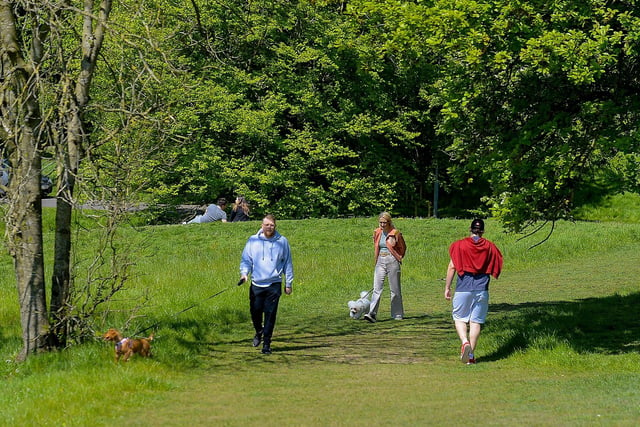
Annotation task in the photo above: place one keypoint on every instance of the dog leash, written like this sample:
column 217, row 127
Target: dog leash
column 367, row 294
column 192, row 306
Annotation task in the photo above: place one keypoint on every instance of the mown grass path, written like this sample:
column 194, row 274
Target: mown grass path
column 561, row 345
column 561, row 348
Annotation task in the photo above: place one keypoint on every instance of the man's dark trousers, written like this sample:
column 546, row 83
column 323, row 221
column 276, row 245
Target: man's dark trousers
column 264, row 303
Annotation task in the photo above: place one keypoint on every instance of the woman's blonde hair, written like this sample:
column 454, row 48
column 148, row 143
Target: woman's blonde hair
column 386, row 216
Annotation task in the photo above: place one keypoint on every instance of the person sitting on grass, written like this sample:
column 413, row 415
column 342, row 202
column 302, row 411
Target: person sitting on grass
column 240, row 210
column 213, row 213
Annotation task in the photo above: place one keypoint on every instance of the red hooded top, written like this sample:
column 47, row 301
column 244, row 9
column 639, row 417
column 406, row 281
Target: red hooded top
column 476, row 257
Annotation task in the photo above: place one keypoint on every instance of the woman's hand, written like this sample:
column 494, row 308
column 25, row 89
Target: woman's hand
column 391, row 240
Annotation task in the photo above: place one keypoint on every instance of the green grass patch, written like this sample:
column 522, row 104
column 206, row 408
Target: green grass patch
column 617, row 208
column 560, row 346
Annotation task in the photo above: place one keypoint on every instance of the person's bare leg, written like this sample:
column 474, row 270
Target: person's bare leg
column 461, row 328
column 474, row 334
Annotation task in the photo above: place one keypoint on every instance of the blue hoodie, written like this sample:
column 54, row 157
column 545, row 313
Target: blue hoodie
column 267, row 259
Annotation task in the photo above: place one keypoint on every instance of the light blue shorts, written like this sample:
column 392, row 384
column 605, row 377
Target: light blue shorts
column 471, row 306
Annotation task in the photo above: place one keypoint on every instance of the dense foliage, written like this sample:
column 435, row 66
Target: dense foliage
column 519, row 109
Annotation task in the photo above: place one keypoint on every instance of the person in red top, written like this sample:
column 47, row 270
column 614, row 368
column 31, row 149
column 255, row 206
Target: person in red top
column 474, row 260
column 389, row 248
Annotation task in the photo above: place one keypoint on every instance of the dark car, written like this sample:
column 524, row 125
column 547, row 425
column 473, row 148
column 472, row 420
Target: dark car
column 46, row 184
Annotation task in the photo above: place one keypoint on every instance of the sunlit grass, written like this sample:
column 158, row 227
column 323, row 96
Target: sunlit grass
column 618, row 208
column 562, row 322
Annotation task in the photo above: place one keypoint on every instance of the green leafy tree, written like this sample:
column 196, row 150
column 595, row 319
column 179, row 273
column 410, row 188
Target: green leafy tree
column 324, row 107
column 289, row 106
column 49, row 53
column 45, row 82
column 538, row 98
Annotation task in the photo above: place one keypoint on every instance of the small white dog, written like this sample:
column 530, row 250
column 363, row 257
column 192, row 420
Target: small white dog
column 360, row 307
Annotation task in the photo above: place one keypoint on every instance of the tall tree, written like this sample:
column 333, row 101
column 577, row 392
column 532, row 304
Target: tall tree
column 289, row 106
column 327, row 107
column 71, row 140
column 537, row 98
column 21, row 131
column 40, row 75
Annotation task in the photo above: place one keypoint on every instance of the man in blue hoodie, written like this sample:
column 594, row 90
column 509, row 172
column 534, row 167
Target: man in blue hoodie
column 267, row 258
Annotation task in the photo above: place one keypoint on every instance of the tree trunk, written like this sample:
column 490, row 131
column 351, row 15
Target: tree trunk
column 24, row 225
column 61, row 279
column 20, row 116
column 69, row 155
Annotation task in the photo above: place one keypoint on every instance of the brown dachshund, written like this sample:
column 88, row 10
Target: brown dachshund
column 126, row 347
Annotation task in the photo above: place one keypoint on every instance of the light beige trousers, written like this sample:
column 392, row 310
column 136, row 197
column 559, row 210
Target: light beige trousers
column 389, row 267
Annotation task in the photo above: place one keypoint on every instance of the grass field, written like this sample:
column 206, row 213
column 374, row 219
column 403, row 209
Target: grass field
column 561, row 345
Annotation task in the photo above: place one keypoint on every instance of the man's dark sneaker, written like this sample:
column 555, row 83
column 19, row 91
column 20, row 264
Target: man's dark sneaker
column 266, row 350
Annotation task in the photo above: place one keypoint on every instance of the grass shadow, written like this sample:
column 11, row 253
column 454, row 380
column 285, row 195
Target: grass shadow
column 343, row 340
column 605, row 325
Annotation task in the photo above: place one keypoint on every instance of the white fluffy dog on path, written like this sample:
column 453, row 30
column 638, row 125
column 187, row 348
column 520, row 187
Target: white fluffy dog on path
column 360, row 307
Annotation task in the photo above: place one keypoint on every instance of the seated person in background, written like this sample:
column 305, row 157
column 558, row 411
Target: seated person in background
column 240, row 210
column 213, row 213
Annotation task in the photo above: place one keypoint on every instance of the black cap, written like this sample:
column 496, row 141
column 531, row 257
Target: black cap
column 477, row 225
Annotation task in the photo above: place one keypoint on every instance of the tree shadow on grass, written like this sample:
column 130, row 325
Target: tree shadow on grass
column 605, row 325
column 342, row 340
column 319, row 338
